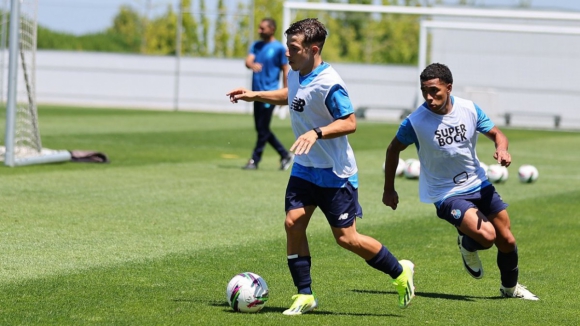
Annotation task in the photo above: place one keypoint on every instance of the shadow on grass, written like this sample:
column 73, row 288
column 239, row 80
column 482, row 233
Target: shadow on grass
column 268, row 169
column 434, row 295
column 231, row 167
column 270, row 309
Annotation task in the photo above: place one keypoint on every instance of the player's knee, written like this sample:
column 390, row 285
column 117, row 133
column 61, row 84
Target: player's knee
column 506, row 244
column 292, row 226
column 488, row 240
column 347, row 242
column 289, row 224
column 344, row 242
column 487, row 244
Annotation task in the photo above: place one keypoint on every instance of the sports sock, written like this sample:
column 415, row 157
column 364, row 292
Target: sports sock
column 508, row 267
column 470, row 244
column 386, row 263
column 300, row 271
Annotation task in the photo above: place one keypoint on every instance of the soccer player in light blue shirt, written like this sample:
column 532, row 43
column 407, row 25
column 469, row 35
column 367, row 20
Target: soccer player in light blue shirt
column 324, row 174
column 444, row 130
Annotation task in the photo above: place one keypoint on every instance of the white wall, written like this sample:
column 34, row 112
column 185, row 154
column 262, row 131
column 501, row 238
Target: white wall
column 137, row 81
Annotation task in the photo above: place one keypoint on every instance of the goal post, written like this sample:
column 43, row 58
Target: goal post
column 22, row 143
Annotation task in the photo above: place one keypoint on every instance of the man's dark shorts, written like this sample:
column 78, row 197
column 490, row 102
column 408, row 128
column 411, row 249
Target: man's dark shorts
column 486, row 200
column 339, row 205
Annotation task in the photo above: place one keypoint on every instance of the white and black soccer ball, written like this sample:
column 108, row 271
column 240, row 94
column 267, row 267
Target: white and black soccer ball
column 528, row 173
column 496, row 173
column 400, row 167
column 247, row 292
column 412, row 168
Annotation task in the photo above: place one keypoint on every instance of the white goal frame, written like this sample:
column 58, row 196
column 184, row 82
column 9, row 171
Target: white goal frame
column 427, row 25
column 22, row 145
column 290, row 6
column 520, row 21
column 427, row 12
column 489, row 27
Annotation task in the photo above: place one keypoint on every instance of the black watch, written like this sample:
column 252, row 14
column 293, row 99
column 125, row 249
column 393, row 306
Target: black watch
column 318, row 132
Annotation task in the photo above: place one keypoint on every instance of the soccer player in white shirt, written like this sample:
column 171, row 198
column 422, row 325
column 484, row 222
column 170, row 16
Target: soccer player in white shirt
column 324, row 173
column 444, row 130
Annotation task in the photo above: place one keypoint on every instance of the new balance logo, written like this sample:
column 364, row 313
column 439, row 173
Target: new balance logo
column 298, row 104
column 343, row 216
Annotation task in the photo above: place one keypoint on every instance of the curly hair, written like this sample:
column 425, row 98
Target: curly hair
column 313, row 30
column 437, row 70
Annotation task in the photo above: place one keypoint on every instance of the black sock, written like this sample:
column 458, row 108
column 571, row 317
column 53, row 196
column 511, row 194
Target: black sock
column 508, row 268
column 386, row 263
column 300, row 271
column 470, row 244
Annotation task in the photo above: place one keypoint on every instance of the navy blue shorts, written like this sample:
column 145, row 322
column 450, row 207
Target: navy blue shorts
column 339, row 205
column 487, row 201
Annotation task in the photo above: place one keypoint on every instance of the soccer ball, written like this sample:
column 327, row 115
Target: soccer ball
column 412, row 168
column 528, row 173
column 497, row 173
column 400, row 167
column 484, row 167
column 247, row 292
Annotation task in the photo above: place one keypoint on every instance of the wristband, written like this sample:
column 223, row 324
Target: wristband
column 318, row 132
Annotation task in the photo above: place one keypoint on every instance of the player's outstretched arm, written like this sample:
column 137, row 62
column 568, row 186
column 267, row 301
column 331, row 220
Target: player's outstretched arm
column 276, row 97
column 501, row 146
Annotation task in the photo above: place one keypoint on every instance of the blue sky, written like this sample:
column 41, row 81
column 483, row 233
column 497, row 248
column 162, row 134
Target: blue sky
column 86, row 16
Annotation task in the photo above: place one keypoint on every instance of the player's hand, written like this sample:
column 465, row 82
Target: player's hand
column 241, row 94
column 391, row 199
column 303, row 144
column 256, row 67
column 503, row 157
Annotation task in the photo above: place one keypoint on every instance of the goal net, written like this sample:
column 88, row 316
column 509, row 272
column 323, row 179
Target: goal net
column 22, row 143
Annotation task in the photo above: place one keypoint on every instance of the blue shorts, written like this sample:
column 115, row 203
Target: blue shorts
column 486, row 200
column 339, row 205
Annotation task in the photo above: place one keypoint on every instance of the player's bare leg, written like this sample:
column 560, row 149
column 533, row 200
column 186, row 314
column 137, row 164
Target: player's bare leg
column 296, row 222
column 478, row 233
column 505, row 240
column 362, row 245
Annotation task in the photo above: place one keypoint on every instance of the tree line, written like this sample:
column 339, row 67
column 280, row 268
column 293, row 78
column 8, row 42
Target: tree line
column 228, row 32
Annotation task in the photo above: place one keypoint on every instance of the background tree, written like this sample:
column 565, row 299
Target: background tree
column 397, row 37
column 161, row 33
column 242, row 37
column 191, row 42
column 371, row 37
column 272, row 9
column 204, row 39
column 127, row 24
column 222, row 36
column 354, row 37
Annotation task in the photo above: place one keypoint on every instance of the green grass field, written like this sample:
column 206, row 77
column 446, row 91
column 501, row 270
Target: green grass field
column 154, row 237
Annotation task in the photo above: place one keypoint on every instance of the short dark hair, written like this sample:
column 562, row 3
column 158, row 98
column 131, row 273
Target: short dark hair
column 313, row 30
column 437, row 70
column 270, row 22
